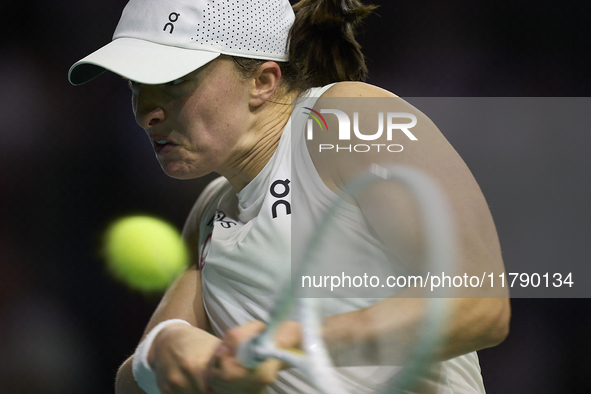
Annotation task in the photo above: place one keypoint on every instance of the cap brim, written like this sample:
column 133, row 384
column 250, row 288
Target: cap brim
column 141, row 61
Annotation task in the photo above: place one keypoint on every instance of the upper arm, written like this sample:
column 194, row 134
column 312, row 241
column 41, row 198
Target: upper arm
column 432, row 154
column 183, row 299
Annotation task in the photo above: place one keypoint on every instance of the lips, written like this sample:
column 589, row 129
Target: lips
column 163, row 146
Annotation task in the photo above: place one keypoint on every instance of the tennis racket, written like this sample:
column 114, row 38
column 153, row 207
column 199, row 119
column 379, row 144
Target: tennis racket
column 314, row 361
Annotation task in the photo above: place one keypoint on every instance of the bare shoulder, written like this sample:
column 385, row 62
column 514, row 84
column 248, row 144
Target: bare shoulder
column 368, row 99
column 356, row 89
column 354, row 111
column 367, row 125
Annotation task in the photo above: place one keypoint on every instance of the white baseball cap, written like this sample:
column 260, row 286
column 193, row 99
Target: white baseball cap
column 158, row 41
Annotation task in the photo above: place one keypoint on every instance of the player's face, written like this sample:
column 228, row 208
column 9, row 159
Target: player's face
column 197, row 124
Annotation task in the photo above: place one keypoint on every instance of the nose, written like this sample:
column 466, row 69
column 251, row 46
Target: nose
column 146, row 107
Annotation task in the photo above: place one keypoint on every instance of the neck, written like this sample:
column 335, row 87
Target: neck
column 260, row 143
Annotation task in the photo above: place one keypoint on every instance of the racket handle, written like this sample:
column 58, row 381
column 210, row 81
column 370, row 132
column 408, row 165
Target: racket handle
column 253, row 352
column 249, row 353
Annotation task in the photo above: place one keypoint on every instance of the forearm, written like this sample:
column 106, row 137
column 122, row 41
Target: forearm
column 176, row 350
column 125, row 382
column 474, row 324
column 390, row 329
column 181, row 301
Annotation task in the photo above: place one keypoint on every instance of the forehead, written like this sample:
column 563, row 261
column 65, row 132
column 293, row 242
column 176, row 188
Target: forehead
column 215, row 80
column 221, row 67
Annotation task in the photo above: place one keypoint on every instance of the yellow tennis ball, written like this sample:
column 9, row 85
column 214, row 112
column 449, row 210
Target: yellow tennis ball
column 144, row 252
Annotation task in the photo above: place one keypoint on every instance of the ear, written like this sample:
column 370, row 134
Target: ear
column 265, row 83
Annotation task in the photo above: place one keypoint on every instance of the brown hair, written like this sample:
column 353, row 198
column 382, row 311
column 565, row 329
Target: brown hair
column 322, row 45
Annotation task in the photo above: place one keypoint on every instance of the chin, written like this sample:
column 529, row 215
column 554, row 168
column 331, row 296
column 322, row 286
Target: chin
column 180, row 171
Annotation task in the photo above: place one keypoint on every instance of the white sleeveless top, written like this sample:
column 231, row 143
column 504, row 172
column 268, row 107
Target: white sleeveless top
column 245, row 258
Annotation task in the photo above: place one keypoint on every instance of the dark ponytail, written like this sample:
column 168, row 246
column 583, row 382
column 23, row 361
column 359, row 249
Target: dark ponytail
column 322, row 46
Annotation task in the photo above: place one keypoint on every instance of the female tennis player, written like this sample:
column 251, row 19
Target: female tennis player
column 212, row 84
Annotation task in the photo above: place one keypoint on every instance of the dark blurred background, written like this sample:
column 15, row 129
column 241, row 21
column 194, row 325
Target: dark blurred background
column 73, row 159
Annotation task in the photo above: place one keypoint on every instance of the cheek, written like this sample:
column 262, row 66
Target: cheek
column 217, row 116
column 217, row 121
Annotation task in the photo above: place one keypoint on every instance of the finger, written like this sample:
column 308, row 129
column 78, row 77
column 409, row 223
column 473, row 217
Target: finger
column 221, row 350
column 180, row 383
column 237, row 335
column 226, row 367
column 214, row 366
column 266, row 373
column 289, row 335
column 184, row 378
